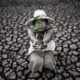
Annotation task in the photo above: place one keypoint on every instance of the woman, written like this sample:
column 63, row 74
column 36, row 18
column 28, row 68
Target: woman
column 41, row 43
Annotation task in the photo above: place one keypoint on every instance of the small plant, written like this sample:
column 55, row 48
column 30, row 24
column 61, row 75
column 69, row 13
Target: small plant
column 38, row 24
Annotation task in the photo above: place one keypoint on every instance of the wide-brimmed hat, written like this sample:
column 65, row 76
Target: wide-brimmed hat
column 39, row 14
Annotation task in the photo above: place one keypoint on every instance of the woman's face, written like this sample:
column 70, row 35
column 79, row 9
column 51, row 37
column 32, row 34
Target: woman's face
column 40, row 24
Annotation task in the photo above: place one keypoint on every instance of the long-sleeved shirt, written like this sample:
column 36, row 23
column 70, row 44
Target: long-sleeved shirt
column 44, row 36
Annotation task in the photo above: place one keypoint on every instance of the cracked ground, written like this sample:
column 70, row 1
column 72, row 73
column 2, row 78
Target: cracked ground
column 14, row 42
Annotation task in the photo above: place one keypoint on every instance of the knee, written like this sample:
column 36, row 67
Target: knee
column 36, row 58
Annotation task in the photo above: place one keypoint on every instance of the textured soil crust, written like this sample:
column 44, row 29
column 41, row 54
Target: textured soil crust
column 14, row 42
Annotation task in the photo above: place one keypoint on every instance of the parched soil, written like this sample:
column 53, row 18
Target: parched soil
column 14, row 42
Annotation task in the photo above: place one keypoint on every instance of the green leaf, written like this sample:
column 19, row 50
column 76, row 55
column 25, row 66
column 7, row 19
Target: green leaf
column 34, row 28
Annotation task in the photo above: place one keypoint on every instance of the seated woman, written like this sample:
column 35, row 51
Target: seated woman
column 41, row 43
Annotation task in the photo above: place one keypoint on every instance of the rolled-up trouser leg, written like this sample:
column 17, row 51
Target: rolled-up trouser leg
column 36, row 62
column 49, row 60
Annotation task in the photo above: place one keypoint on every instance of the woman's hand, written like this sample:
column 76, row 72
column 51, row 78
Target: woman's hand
column 39, row 45
column 39, row 42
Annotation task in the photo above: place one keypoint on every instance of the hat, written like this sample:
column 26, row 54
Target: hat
column 39, row 14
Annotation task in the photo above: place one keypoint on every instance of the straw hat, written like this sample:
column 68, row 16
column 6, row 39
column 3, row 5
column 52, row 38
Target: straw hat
column 39, row 14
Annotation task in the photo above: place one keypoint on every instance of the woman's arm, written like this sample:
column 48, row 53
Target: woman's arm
column 32, row 35
column 48, row 35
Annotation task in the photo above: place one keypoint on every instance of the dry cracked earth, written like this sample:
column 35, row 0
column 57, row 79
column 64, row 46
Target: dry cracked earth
column 14, row 42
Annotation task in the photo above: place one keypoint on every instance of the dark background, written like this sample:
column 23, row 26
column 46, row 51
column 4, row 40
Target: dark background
column 14, row 40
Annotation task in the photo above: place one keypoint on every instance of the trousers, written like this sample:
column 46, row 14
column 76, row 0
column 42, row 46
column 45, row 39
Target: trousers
column 45, row 58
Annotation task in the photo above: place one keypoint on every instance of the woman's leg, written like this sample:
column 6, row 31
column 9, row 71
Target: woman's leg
column 49, row 60
column 36, row 62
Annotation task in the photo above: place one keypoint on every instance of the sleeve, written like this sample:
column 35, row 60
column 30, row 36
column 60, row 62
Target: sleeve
column 31, row 35
column 48, row 35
